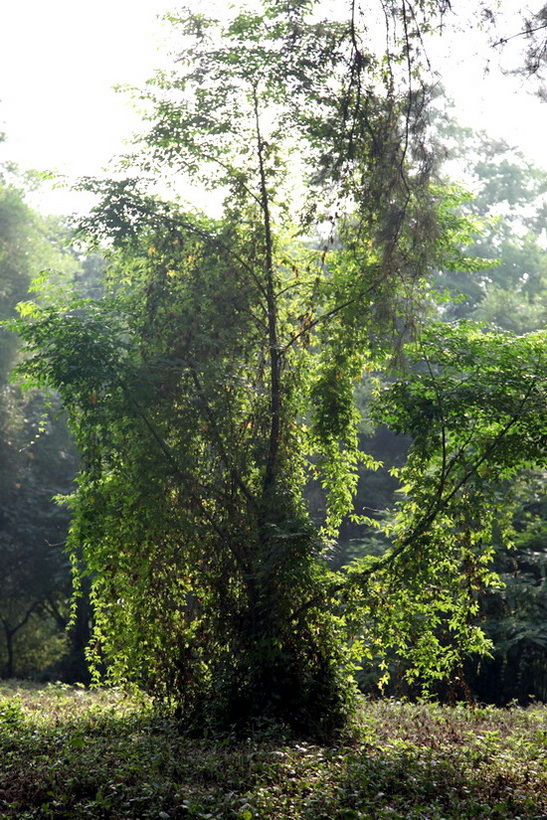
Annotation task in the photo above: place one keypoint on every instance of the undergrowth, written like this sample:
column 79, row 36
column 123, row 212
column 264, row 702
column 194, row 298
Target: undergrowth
column 70, row 754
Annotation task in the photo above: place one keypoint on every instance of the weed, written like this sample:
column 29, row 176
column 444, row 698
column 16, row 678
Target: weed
column 70, row 754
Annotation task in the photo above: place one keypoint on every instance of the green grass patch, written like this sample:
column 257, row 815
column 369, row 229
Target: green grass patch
column 69, row 754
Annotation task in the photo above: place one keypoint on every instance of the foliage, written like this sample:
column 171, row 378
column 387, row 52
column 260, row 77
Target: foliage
column 35, row 573
column 474, row 405
column 36, row 458
column 510, row 202
column 67, row 753
column 510, row 195
column 515, row 614
column 226, row 352
column 509, row 208
column 15, row 236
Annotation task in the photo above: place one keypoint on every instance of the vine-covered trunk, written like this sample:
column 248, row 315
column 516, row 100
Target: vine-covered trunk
column 287, row 666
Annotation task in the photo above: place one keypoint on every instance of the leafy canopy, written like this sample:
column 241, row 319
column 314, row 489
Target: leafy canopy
column 219, row 371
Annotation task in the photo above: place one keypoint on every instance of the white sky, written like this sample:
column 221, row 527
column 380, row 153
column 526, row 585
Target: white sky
column 59, row 61
column 60, row 58
column 477, row 77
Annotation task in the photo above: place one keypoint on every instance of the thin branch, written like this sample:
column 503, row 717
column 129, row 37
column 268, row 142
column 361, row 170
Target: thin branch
column 503, row 40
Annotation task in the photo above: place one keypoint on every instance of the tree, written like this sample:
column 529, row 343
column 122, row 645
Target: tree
column 475, row 410
column 514, row 614
column 509, row 206
column 220, row 366
column 34, row 573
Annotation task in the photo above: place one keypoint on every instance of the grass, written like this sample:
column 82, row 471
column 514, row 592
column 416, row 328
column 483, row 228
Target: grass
column 69, row 754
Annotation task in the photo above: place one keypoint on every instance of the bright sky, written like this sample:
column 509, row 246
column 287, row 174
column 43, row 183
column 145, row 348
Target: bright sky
column 59, row 61
column 477, row 76
column 60, row 58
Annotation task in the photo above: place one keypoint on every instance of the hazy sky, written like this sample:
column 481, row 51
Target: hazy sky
column 59, row 60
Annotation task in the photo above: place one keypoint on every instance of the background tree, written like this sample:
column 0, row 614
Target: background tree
column 510, row 192
column 509, row 203
column 508, row 210
column 34, row 574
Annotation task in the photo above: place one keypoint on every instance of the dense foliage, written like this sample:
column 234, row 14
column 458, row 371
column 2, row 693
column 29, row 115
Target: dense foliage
column 507, row 294
column 37, row 459
column 220, row 369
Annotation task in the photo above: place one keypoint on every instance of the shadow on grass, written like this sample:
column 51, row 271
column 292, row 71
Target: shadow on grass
column 68, row 754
